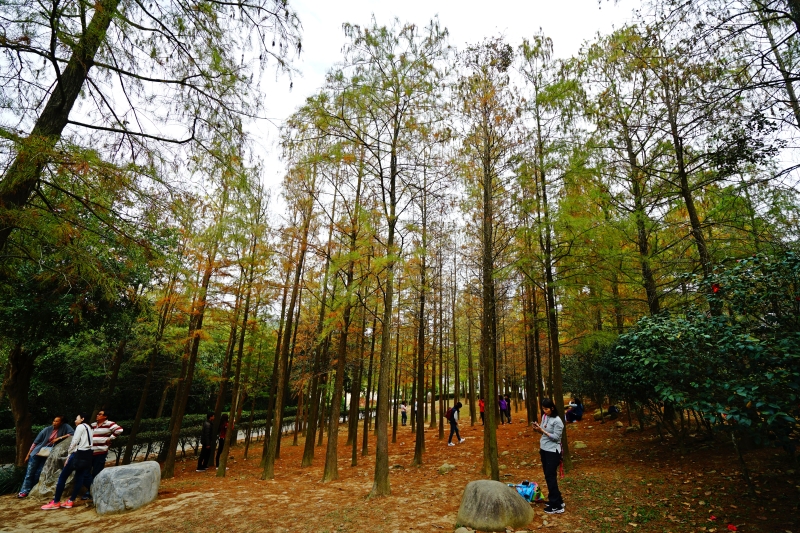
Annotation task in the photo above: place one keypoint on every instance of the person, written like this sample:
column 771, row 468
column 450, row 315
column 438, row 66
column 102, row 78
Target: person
column 453, row 419
column 205, row 443
column 223, row 431
column 104, row 431
column 575, row 411
column 503, row 406
column 79, row 460
column 551, row 429
column 508, row 408
column 403, row 413
column 47, row 438
column 482, row 407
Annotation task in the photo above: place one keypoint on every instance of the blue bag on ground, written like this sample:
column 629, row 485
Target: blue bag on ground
column 529, row 490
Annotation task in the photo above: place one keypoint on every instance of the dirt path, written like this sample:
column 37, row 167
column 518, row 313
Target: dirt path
column 619, row 482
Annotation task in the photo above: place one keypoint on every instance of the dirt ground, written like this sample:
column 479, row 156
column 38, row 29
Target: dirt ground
column 619, row 482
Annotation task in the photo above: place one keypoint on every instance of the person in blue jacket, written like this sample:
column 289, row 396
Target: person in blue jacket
column 47, row 438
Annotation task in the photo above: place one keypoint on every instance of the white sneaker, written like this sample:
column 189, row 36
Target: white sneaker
column 450, row 444
column 462, row 441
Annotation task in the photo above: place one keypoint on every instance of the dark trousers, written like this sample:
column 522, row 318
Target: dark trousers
column 220, row 446
column 481, row 417
column 508, row 414
column 550, row 462
column 77, row 481
column 453, row 429
column 404, row 417
column 98, row 464
column 205, row 455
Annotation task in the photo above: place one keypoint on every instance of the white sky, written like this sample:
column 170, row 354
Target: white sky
column 568, row 22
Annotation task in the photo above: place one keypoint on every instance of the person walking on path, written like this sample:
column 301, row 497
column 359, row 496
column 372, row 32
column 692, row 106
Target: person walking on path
column 79, row 460
column 452, row 417
column 508, row 407
column 503, row 406
column 223, row 432
column 205, row 443
column 403, row 412
column 40, row 450
column 103, row 431
column 551, row 429
column 482, row 407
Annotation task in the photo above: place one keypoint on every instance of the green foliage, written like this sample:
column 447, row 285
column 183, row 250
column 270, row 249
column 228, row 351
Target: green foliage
column 740, row 369
column 582, row 370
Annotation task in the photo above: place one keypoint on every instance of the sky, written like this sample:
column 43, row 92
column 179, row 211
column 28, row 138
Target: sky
column 569, row 23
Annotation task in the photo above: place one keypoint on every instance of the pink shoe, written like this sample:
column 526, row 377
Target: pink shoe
column 52, row 505
column 68, row 504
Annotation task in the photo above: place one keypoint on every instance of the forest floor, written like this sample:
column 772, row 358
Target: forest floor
column 619, row 482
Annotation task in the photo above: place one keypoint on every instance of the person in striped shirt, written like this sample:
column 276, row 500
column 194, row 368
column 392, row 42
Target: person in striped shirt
column 104, row 431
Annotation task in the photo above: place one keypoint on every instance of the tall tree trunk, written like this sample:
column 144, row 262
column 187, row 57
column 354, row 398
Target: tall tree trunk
column 650, row 287
column 17, row 387
column 282, row 378
column 190, row 356
column 236, row 400
column 488, row 322
column 368, row 403
column 320, row 352
column 470, row 373
column 552, row 319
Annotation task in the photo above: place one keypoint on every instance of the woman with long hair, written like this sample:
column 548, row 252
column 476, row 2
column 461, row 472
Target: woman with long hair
column 551, row 429
column 79, row 460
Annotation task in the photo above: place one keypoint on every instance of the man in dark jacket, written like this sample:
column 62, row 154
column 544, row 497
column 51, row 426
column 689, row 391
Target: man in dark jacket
column 46, row 438
column 205, row 443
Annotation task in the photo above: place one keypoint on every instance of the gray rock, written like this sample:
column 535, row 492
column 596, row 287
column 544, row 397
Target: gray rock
column 489, row 505
column 504, row 453
column 463, row 530
column 125, row 488
column 579, row 445
column 619, row 424
column 45, row 489
column 445, row 468
column 631, row 429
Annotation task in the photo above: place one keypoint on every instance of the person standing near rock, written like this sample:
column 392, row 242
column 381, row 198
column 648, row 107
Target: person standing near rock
column 205, row 443
column 37, row 455
column 79, row 461
column 104, row 431
column 551, row 429
column 452, row 417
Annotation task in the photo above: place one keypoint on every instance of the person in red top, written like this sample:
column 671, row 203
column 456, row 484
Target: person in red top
column 104, row 431
column 482, row 408
column 223, row 431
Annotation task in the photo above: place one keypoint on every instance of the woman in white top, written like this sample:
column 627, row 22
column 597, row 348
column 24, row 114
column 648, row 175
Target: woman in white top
column 79, row 461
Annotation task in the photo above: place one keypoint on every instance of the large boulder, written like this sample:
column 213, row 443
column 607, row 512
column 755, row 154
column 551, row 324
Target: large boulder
column 124, row 488
column 489, row 505
column 46, row 488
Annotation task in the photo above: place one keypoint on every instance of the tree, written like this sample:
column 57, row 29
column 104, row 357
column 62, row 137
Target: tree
column 390, row 74
column 168, row 57
column 490, row 111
